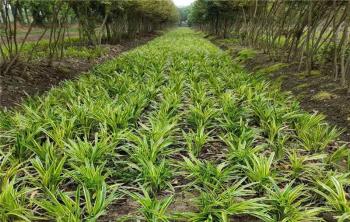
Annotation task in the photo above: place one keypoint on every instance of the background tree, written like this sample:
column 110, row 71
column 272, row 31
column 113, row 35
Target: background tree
column 99, row 21
column 309, row 32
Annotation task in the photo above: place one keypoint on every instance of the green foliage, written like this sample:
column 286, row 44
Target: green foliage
column 336, row 197
column 245, row 54
column 205, row 173
column 195, row 141
column 323, row 95
column 84, row 150
column 303, row 166
column 84, row 52
column 92, row 177
column 259, row 169
column 153, row 209
column 200, row 115
column 153, row 176
column 98, row 201
column 272, row 69
column 313, row 133
column 50, row 172
column 133, row 17
column 184, row 12
column 241, row 149
column 287, row 204
column 174, row 116
column 214, row 205
column 13, row 203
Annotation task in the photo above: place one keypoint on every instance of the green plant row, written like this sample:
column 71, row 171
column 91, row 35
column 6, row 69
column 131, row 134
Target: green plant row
column 171, row 131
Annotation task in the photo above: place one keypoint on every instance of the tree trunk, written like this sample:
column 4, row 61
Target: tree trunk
column 217, row 24
column 108, row 32
column 334, row 39
column 308, row 39
column 26, row 15
column 2, row 13
column 345, row 44
column 225, row 28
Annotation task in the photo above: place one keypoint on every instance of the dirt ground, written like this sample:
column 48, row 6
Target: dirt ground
column 37, row 77
column 317, row 93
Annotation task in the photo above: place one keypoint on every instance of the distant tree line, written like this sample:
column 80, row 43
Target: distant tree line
column 311, row 32
column 99, row 21
column 184, row 11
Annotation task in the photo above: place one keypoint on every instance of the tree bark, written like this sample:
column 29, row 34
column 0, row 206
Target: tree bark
column 345, row 44
column 334, row 40
column 308, row 39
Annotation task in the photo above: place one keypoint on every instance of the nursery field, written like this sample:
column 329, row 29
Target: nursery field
column 174, row 130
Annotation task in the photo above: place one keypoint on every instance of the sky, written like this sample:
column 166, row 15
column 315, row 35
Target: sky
column 181, row 3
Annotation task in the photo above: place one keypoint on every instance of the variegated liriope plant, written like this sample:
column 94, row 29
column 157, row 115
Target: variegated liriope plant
column 172, row 130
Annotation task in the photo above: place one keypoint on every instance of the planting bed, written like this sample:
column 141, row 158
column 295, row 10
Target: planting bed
column 170, row 131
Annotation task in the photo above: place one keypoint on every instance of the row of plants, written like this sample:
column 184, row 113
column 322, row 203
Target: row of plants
column 59, row 151
column 180, row 131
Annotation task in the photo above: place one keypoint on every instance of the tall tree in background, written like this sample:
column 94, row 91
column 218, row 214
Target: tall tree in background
column 289, row 30
column 99, row 21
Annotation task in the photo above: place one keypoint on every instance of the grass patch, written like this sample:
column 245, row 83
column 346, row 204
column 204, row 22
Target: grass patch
column 314, row 73
column 273, row 68
column 85, row 52
column 323, row 95
column 229, row 41
column 71, row 49
column 245, row 54
column 302, row 86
